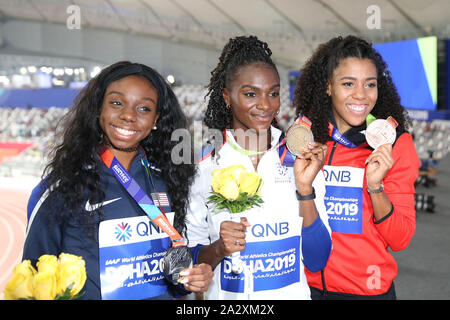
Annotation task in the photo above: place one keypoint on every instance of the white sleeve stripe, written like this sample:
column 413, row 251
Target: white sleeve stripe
column 36, row 209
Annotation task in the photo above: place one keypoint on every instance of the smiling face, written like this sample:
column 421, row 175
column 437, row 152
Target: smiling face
column 354, row 92
column 254, row 97
column 128, row 113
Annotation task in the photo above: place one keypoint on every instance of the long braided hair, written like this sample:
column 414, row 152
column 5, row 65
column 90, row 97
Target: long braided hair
column 238, row 52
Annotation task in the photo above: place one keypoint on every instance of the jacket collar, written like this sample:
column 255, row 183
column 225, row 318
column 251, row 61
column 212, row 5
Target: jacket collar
column 357, row 135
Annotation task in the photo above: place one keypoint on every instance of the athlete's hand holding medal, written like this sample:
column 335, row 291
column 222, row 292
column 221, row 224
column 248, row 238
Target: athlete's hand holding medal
column 380, row 135
column 178, row 268
column 233, row 193
column 195, row 278
column 310, row 154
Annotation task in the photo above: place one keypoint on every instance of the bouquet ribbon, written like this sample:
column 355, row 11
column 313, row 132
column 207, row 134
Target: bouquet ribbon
column 139, row 195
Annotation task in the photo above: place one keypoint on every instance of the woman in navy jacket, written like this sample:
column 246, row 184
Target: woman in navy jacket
column 81, row 208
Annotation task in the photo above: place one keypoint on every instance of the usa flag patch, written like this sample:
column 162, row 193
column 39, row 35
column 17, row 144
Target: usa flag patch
column 160, row 199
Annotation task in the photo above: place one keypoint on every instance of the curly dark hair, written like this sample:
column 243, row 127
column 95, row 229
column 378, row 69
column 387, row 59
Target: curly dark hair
column 238, row 52
column 310, row 96
column 75, row 165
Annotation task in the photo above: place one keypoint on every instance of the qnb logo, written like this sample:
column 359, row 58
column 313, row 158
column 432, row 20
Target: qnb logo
column 337, row 176
column 123, row 232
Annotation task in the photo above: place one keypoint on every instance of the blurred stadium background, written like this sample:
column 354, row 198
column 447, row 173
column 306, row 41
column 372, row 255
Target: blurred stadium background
column 49, row 49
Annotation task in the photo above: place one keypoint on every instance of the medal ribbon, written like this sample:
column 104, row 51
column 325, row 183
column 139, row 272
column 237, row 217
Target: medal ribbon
column 392, row 122
column 339, row 137
column 303, row 121
column 139, row 195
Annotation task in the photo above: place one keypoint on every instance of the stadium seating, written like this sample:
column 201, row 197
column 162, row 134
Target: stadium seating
column 36, row 125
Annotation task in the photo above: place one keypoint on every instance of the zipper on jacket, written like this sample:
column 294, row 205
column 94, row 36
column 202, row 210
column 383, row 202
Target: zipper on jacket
column 324, row 287
column 332, row 153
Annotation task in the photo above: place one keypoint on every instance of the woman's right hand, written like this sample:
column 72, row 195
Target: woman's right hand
column 307, row 165
column 232, row 237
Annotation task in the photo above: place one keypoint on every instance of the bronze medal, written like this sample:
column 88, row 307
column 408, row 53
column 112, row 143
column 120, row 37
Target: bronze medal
column 381, row 132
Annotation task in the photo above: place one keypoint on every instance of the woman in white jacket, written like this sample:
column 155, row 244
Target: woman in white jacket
column 290, row 230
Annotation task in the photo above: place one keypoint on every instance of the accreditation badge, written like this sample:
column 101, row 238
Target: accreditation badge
column 131, row 253
column 271, row 256
column 344, row 198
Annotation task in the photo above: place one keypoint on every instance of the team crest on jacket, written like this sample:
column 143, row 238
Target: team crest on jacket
column 282, row 174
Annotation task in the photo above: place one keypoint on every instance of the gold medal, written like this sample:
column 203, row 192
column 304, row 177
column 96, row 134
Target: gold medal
column 381, row 132
column 298, row 136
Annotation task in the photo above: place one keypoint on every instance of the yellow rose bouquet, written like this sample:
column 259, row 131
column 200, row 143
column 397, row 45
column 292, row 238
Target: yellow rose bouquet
column 54, row 279
column 235, row 189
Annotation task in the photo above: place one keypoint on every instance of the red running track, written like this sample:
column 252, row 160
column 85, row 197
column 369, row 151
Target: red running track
column 13, row 219
column 11, row 149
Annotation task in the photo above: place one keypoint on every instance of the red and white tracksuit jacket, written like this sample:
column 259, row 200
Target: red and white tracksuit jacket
column 360, row 262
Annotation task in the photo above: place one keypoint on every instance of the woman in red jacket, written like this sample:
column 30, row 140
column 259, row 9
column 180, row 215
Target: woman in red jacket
column 370, row 193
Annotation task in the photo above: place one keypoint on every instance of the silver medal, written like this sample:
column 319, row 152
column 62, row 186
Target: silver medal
column 176, row 260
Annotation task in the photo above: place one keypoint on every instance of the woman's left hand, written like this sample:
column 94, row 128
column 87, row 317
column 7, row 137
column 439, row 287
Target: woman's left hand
column 308, row 164
column 198, row 278
column 378, row 163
